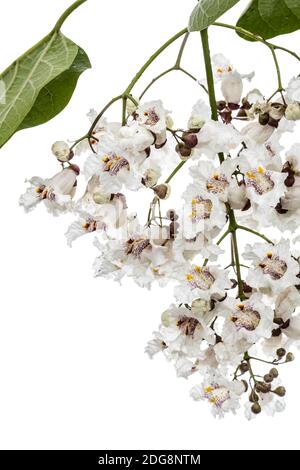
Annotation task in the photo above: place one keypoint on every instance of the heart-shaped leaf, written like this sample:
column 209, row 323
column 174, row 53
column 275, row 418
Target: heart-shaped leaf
column 38, row 85
column 55, row 96
column 270, row 18
column 208, row 11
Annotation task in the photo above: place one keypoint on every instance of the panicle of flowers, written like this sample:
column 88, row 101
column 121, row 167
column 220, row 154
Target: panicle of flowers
column 232, row 324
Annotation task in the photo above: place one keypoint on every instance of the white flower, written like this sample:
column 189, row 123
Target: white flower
column 198, row 282
column 237, row 195
column 57, row 192
column 183, row 331
column 293, row 90
column 201, row 113
column 274, row 268
column 222, row 394
column 214, row 179
column 153, row 116
column 249, row 320
column 216, row 137
column 263, row 186
column 255, row 133
column 155, row 345
column 292, row 112
column 135, row 138
column 114, row 168
column 203, row 211
column 231, row 80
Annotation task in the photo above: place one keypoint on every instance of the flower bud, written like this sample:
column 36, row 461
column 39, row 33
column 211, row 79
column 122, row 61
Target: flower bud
column 171, row 215
column 244, row 367
column 221, row 105
column 264, row 119
column 169, row 122
column 290, row 357
column 268, row 378
column 101, row 198
column 190, row 140
column 131, row 107
column 277, row 111
column 262, row 387
column 256, row 408
column 62, row 151
column 162, row 190
column 74, row 168
column 196, row 122
column 281, row 352
column 292, row 112
column 150, row 177
column 274, row 373
column 183, row 151
column 280, row 391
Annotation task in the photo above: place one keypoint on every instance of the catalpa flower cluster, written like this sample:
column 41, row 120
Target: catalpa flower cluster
column 231, row 323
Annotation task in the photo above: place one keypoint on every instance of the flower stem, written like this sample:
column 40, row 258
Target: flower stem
column 256, row 38
column 209, row 75
column 171, row 176
column 67, row 13
column 247, row 229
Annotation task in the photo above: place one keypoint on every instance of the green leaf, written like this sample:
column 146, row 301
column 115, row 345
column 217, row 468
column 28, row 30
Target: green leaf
column 55, row 96
column 25, row 83
column 270, row 18
column 208, row 11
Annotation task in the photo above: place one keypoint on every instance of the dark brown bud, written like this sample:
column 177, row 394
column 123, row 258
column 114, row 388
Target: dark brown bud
column 226, row 117
column 162, row 190
column 268, row 378
column 278, row 321
column 244, row 367
column 264, row 119
column 221, row 105
column 183, row 151
column 276, row 332
column 281, row 352
column 262, row 387
column 190, row 140
column 274, row 373
column 246, row 104
column 280, row 391
column 171, row 215
column 256, row 408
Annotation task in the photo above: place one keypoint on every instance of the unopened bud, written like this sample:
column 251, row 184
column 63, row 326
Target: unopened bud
column 101, row 198
column 162, row 190
column 131, row 107
column 62, row 151
column 280, row 391
column 262, row 387
column 264, row 119
column 290, row 357
column 256, row 408
column 274, row 373
column 221, row 105
column 190, row 140
column 281, row 352
column 169, row 122
column 244, row 367
column 183, row 151
column 150, row 178
column 268, row 378
column 171, row 215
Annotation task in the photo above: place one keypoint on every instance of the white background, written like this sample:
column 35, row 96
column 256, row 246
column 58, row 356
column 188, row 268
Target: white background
column 73, row 374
